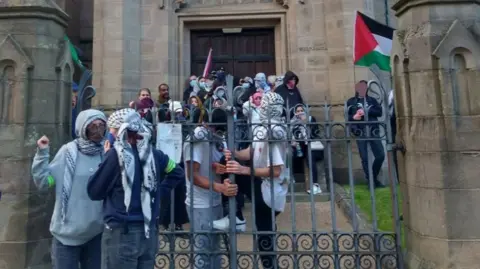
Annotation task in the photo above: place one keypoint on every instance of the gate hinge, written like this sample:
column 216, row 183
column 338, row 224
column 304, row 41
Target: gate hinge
column 396, row 147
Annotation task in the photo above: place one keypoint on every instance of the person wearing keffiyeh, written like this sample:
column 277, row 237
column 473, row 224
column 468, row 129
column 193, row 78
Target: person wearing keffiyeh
column 128, row 181
column 76, row 223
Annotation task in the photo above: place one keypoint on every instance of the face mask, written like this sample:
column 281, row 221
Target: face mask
column 291, row 84
column 193, row 83
column 246, row 85
column 262, row 84
column 202, row 85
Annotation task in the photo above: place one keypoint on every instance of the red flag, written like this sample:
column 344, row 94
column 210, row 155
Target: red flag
column 208, row 64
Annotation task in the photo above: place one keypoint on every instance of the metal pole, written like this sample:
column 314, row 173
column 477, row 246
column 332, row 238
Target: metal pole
column 232, row 205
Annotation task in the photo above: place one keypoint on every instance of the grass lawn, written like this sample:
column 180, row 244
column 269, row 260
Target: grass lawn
column 383, row 206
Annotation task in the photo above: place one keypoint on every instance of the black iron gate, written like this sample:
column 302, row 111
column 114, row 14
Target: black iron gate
column 311, row 232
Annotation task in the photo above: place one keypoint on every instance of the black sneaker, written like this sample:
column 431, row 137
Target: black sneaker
column 179, row 228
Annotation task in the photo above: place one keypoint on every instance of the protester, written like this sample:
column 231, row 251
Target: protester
column 261, row 82
column 251, row 108
column 202, row 204
column 271, row 82
column 163, row 103
column 76, row 223
column 269, row 158
column 304, row 128
column 128, row 181
column 357, row 107
column 290, row 92
column 190, row 83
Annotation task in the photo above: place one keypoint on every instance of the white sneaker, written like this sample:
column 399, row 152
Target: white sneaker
column 224, row 224
column 316, row 189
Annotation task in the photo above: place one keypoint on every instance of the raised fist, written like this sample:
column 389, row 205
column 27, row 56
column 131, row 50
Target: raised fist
column 43, row 142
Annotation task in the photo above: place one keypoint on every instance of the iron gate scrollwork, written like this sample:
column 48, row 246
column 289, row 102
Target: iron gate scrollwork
column 307, row 234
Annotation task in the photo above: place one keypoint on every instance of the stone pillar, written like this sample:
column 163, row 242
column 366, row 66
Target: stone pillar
column 435, row 62
column 35, row 99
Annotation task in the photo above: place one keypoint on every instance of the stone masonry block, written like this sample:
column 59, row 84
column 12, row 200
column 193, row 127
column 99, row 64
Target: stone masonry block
column 426, row 211
column 424, row 93
column 442, row 170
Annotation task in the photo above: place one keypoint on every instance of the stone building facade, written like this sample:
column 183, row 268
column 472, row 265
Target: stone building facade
column 144, row 43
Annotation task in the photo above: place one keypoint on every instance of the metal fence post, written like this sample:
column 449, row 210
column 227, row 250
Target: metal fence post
column 232, row 203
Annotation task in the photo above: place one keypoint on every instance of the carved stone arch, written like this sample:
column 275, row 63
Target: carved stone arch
column 10, row 49
column 458, row 39
column 14, row 67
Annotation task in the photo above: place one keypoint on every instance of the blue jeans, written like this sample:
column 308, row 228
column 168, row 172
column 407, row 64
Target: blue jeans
column 378, row 153
column 205, row 243
column 87, row 256
column 129, row 248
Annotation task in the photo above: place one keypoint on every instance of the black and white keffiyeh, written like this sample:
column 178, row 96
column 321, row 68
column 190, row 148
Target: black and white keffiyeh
column 129, row 120
column 83, row 145
column 271, row 112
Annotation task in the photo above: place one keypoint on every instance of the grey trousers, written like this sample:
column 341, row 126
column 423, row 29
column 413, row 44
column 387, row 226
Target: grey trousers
column 207, row 246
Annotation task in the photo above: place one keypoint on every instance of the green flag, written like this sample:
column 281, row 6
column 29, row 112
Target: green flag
column 74, row 54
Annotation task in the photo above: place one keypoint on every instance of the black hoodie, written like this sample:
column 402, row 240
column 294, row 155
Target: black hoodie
column 290, row 96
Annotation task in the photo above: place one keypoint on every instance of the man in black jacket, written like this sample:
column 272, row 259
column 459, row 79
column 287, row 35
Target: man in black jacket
column 358, row 105
column 289, row 92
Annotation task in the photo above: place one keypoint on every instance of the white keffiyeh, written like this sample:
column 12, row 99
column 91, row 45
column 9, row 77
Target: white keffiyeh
column 129, row 120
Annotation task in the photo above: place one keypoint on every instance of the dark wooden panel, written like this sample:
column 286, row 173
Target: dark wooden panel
column 243, row 54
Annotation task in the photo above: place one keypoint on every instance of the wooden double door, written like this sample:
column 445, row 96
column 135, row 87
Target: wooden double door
column 243, row 54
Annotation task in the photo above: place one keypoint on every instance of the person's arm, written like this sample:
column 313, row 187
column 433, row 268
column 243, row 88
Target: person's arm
column 174, row 174
column 192, row 167
column 352, row 108
column 243, row 155
column 375, row 109
column 265, row 172
column 41, row 167
column 100, row 183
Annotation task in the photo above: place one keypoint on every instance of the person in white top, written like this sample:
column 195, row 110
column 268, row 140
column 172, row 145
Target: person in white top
column 250, row 108
column 204, row 188
column 269, row 176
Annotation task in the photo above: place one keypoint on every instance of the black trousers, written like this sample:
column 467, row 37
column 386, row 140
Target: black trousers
column 264, row 221
column 180, row 215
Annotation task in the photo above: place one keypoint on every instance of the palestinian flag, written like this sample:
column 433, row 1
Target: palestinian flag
column 372, row 43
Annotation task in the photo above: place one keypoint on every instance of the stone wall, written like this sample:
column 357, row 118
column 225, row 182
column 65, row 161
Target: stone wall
column 35, row 97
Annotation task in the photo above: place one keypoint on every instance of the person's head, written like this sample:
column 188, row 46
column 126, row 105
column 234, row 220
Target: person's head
column 218, row 122
column 299, row 109
column 144, row 93
column 192, row 81
column 194, row 101
column 271, row 107
column 91, row 125
column 290, row 80
column 260, row 80
column 361, row 88
column 126, row 124
column 271, row 81
column 143, row 106
column 257, row 98
column 163, row 92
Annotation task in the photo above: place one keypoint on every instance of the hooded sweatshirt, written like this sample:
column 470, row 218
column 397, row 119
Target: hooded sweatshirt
column 81, row 220
column 292, row 97
column 123, row 188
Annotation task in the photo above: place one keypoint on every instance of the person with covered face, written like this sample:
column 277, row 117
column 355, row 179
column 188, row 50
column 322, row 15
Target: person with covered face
column 261, row 83
column 76, row 223
column 290, row 92
column 128, row 181
column 268, row 158
column 189, row 85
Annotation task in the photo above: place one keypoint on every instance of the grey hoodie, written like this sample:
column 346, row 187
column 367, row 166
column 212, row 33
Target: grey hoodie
column 84, row 216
